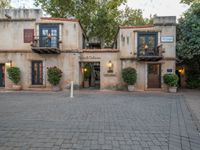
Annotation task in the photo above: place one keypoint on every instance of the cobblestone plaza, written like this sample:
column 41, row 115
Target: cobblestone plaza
column 96, row 121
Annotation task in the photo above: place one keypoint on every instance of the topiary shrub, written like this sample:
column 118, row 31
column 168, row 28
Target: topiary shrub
column 129, row 75
column 14, row 74
column 171, row 80
column 54, row 75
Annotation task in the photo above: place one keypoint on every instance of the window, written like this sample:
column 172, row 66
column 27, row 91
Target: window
column 147, row 42
column 28, row 35
column 49, row 35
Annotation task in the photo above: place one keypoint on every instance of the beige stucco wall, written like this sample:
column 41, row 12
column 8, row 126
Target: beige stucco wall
column 67, row 62
column 130, row 49
column 12, row 35
column 21, row 13
column 12, row 30
column 142, row 72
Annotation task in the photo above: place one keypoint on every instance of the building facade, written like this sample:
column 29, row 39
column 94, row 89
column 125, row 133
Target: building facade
column 34, row 43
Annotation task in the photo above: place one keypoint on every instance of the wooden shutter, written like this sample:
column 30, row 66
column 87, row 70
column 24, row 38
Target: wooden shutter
column 28, row 35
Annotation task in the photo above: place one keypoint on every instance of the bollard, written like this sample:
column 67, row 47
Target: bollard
column 72, row 90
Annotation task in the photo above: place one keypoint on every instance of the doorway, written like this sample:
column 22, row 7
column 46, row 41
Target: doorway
column 2, row 75
column 37, row 73
column 90, row 72
column 154, row 76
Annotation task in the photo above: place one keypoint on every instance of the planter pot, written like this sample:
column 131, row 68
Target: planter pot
column 131, row 88
column 172, row 89
column 16, row 87
column 55, row 88
column 86, row 84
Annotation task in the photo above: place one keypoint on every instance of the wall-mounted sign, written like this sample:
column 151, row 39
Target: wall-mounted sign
column 167, row 39
column 169, row 70
column 89, row 57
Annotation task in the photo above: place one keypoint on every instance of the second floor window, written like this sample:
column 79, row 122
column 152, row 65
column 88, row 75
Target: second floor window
column 147, row 42
column 49, row 35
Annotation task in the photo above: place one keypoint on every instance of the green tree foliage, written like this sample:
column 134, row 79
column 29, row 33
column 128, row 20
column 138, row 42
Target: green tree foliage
column 100, row 18
column 190, row 1
column 4, row 4
column 133, row 17
column 188, row 35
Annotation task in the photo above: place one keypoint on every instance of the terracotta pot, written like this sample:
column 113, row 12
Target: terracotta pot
column 131, row 88
column 172, row 89
column 16, row 87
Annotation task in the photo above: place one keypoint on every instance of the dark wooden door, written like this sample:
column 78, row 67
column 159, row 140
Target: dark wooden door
column 37, row 73
column 154, row 75
column 2, row 75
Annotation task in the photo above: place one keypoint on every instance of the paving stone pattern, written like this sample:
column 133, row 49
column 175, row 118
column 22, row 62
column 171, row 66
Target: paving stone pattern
column 96, row 121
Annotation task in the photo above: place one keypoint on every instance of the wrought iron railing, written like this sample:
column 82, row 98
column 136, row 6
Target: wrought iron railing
column 151, row 52
column 46, row 41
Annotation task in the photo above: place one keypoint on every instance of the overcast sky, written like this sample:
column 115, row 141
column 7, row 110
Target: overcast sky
column 149, row 7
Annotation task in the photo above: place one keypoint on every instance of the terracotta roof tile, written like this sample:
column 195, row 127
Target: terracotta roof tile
column 136, row 27
column 60, row 19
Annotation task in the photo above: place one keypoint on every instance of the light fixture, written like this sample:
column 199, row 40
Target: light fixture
column 181, row 71
column 9, row 64
column 146, row 46
column 85, row 69
column 110, row 67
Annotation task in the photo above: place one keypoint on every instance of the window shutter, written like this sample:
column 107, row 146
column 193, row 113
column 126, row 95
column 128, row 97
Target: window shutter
column 28, row 35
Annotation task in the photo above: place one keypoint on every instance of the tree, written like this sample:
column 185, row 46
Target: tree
column 4, row 4
column 100, row 18
column 133, row 17
column 188, row 35
column 190, row 1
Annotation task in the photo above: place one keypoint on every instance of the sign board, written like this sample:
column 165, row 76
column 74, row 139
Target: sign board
column 169, row 70
column 167, row 39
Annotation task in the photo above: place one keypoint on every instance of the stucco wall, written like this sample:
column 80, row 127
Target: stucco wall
column 12, row 30
column 21, row 13
column 67, row 62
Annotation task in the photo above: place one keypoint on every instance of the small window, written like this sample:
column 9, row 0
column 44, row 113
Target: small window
column 28, row 35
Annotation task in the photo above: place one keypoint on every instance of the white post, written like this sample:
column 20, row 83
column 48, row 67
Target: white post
column 72, row 90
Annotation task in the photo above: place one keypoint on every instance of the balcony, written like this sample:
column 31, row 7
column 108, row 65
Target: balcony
column 150, row 54
column 46, row 45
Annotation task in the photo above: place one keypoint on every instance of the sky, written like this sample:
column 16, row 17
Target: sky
column 149, row 7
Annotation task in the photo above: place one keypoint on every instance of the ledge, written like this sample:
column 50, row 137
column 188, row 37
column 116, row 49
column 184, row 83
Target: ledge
column 15, row 20
column 37, row 86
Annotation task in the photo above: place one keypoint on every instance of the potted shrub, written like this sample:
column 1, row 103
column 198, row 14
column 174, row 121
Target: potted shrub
column 87, row 73
column 172, row 81
column 54, row 76
column 14, row 76
column 129, row 76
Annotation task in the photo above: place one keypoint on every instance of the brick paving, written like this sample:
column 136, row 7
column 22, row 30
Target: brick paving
column 96, row 121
